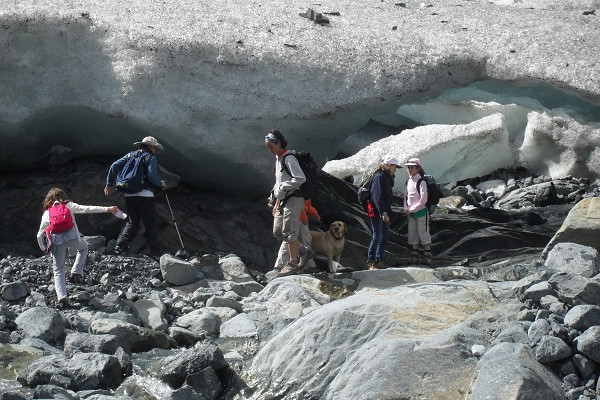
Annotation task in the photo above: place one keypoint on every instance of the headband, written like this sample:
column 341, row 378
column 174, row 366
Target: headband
column 272, row 138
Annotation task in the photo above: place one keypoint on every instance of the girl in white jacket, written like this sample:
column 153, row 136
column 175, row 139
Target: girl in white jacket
column 61, row 242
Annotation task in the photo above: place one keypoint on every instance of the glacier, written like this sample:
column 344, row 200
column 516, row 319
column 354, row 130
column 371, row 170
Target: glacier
column 210, row 78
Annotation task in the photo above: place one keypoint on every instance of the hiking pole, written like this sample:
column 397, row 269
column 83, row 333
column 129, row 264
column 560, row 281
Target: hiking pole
column 175, row 222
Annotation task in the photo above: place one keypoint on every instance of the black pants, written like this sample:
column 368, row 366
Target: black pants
column 141, row 209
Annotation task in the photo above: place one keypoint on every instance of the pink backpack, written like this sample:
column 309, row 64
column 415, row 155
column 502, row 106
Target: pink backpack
column 60, row 218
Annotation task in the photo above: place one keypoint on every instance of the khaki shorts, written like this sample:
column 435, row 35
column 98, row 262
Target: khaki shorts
column 286, row 225
column 418, row 230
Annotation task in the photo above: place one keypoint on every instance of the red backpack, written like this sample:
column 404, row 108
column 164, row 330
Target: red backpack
column 60, row 218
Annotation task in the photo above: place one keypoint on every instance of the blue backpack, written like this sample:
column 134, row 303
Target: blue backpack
column 132, row 177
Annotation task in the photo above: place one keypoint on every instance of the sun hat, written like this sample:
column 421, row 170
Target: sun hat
column 152, row 142
column 390, row 160
column 413, row 161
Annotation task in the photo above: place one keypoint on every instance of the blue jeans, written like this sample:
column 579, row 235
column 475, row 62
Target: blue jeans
column 379, row 237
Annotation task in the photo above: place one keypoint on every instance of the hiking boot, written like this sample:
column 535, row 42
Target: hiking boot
column 62, row 303
column 77, row 279
column 379, row 264
column 304, row 257
column 427, row 257
column 121, row 248
column 371, row 265
column 290, row 269
column 414, row 257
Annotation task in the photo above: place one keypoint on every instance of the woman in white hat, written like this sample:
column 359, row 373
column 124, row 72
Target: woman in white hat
column 380, row 208
column 415, row 198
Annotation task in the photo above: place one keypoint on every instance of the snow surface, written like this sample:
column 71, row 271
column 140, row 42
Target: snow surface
column 210, row 78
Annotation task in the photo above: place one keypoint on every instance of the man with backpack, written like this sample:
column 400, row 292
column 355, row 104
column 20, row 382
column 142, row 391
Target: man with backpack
column 136, row 175
column 288, row 201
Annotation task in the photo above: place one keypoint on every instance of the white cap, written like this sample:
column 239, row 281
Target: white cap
column 413, row 161
column 390, row 160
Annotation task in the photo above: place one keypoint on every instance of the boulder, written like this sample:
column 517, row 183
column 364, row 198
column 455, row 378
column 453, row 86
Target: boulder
column 130, row 337
column 41, row 322
column 234, row 269
column 588, row 343
column 14, row 290
column 151, row 314
column 582, row 317
column 574, row 258
column 582, row 226
column 87, row 343
column 575, row 289
column 177, row 271
column 509, row 371
column 175, row 369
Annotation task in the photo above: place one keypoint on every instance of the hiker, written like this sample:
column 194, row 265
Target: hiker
column 58, row 233
column 289, row 203
column 379, row 209
column 141, row 204
column 305, row 237
column 418, row 215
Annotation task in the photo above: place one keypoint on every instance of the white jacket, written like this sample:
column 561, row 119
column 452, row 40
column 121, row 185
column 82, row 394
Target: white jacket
column 74, row 208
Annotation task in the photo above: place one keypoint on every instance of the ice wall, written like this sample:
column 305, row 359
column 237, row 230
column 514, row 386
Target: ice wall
column 210, row 78
column 448, row 152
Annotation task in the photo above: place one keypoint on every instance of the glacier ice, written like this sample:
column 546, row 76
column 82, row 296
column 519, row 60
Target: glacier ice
column 448, row 152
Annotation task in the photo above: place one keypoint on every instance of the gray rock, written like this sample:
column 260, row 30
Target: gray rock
column 551, row 349
column 43, row 323
column 584, row 365
column 539, row 195
column 151, row 314
column 234, row 269
column 575, row 289
column 54, row 392
column 131, row 337
column 588, row 343
column 206, row 382
column 14, row 290
column 95, row 242
column 509, row 371
column 176, row 271
column 521, row 286
column 239, row 326
column 125, row 361
column 40, row 345
column 217, row 301
column 511, row 332
column 574, row 258
column 83, row 371
column 581, row 317
column 537, row 330
column 547, row 301
column 538, row 290
column 175, row 369
column 184, row 393
column 87, row 343
column 245, row 289
column 200, row 322
column 185, row 337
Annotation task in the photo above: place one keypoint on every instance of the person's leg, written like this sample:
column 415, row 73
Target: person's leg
column 132, row 226
column 283, row 256
column 81, row 247
column 305, row 240
column 290, row 231
column 376, row 236
column 380, row 249
column 425, row 237
column 59, row 257
column 147, row 208
column 413, row 239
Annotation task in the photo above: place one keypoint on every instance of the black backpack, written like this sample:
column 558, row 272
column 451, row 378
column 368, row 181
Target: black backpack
column 364, row 190
column 132, row 178
column 309, row 168
column 434, row 194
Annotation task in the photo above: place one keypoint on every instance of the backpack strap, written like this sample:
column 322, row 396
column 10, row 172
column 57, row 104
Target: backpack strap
column 421, row 179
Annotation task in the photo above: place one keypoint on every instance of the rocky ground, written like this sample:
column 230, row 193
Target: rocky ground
column 237, row 320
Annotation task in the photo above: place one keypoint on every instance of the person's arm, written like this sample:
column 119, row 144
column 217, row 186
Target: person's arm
column 81, row 209
column 296, row 174
column 113, row 172
column 152, row 174
column 42, row 230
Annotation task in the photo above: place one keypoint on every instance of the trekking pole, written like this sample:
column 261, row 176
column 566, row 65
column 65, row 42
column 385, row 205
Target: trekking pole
column 175, row 222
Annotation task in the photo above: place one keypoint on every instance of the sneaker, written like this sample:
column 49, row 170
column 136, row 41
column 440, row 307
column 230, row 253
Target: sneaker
column 290, row 269
column 304, row 257
column 62, row 303
column 414, row 257
column 428, row 257
column 76, row 279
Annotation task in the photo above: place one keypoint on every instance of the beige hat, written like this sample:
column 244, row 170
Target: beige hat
column 151, row 141
column 414, row 161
